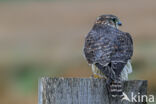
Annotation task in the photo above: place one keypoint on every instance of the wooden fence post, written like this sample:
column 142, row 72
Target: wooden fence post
column 86, row 91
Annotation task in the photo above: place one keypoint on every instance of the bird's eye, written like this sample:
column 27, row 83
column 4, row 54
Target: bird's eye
column 114, row 20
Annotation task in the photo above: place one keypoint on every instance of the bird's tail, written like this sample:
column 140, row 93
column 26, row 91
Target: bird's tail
column 116, row 89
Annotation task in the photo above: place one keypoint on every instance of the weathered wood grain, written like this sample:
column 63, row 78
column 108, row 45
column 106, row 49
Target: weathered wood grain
column 85, row 91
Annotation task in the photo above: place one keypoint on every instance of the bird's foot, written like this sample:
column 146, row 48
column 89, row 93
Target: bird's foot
column 97, row 76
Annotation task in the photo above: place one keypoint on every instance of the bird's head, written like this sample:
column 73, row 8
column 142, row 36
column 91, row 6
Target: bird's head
column 110, row 20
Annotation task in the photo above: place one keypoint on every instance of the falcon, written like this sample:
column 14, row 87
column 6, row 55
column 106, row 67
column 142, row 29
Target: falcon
column 109, row 50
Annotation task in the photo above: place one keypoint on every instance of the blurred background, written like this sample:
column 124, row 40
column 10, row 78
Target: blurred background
column 45, row 38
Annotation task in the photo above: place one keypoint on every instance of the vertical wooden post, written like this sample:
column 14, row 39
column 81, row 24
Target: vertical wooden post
column 85, row 91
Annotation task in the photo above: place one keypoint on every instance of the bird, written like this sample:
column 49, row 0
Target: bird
column 109, row 51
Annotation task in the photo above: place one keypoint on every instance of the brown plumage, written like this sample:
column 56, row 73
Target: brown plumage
column 107, row 48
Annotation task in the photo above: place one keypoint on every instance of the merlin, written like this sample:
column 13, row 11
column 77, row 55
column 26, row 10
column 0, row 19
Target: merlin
column 109, row 50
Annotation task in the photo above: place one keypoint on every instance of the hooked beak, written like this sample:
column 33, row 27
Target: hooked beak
column 119, row 23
